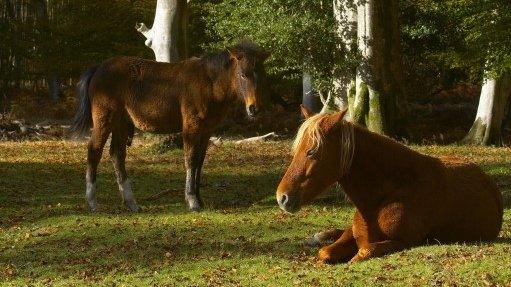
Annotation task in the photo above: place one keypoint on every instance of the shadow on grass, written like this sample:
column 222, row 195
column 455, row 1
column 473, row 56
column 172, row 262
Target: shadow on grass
column 33, row 190
column 107, row 248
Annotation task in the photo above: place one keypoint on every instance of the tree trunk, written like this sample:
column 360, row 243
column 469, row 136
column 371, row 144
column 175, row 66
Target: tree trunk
column 167, row 37
column 345, row 13
column 379, row 101
column 491, row 112
column 47, row 46
column 310, row 97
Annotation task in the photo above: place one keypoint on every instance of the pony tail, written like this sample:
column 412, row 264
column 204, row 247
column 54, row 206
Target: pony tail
column 83, row 117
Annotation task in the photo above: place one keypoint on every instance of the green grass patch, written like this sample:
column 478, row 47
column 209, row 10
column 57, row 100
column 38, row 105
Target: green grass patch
column 48, row 236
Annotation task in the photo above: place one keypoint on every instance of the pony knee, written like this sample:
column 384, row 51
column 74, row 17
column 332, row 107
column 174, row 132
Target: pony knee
column 326, row 255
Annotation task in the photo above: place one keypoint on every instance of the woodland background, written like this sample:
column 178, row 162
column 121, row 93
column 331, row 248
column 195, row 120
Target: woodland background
column 448, row 48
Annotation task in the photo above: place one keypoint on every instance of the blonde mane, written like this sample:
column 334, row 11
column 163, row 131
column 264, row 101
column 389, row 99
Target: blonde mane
column 311, row 130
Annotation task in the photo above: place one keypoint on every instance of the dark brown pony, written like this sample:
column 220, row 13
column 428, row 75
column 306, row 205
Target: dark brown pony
column 402, row 198
column 191, row 96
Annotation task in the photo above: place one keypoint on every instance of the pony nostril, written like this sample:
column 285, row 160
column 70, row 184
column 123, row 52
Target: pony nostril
column 252, row 109
column 283, row 199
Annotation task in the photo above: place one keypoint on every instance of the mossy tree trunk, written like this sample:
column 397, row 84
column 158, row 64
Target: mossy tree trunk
column 491, row 112
column 379, row 101
column 168, row 35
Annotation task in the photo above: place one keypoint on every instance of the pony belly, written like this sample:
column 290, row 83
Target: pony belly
column 160, row 122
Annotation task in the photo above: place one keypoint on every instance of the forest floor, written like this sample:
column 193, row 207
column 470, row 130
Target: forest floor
column 49, row 237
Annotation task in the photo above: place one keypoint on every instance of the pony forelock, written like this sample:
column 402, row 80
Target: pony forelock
column 312, row 131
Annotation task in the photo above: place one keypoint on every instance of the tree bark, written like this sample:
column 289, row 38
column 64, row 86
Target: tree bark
column 167, row 37
column 379, row 101
column 345, row 13
column 310, row 97
column 491, row 112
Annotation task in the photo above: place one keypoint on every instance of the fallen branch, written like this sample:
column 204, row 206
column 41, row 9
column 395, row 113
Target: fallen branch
column 258, row 138
column 160, row 195
column 216, row 141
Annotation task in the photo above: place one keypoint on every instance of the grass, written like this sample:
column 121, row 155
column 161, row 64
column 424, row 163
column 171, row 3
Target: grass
column 48, row 236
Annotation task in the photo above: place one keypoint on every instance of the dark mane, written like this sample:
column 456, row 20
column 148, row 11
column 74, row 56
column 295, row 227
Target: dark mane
column 216, row 62
column 248, row 48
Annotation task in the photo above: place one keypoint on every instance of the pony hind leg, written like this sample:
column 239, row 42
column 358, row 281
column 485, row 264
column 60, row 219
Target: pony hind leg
column 99, row 136
column 344, row 248
column 121, row 137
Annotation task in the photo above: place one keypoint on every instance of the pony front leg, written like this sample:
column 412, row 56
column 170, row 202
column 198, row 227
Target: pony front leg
column 377, row 249
column 195, row 151
column 90, row 189
column 341, row 250
column 191, row 193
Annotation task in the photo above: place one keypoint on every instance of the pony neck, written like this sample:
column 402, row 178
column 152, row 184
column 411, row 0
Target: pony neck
column 377, row 162
column 220, row 74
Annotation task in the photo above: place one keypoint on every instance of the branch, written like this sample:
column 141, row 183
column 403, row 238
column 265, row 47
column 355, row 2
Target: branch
column 257, row 139
column 216, row 141
column 142, row 28
column 322, row 97
column 148, row 33
column 329, row 104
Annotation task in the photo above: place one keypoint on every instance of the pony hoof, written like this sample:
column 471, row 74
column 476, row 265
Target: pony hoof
column 194, row 204
column 354, row 260
column 196, row 208
column 132, row 206
column 362, row 254
column 93, row 206
column 315, row 240
column 312, row 242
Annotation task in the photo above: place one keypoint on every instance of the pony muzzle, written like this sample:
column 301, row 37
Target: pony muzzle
column 252, row 110
column 289, row 202
column 251, row 106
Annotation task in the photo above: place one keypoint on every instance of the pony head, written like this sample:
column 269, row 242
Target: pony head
column 246, row 60
column 322, row 155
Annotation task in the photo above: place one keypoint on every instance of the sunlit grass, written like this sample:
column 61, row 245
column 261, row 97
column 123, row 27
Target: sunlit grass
column 48, row 236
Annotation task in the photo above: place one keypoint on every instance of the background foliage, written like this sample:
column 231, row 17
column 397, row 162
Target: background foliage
column 445, row 42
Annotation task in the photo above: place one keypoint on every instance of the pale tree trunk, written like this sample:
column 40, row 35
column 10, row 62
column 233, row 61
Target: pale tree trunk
column 167, row 37
column 345, row 13
column 379, row 102
column 491, row 112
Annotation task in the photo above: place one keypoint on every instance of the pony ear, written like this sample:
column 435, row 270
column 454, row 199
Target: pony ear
column 264, row 55
column 231, row 54
column 235, row 55
column 339, row 116
column 306, row 112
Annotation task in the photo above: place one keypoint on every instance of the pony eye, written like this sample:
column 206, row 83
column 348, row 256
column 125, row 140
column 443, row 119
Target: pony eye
column 310, row 153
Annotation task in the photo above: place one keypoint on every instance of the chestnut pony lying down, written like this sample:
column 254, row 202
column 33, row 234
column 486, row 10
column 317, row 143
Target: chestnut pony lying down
column 402, row 198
